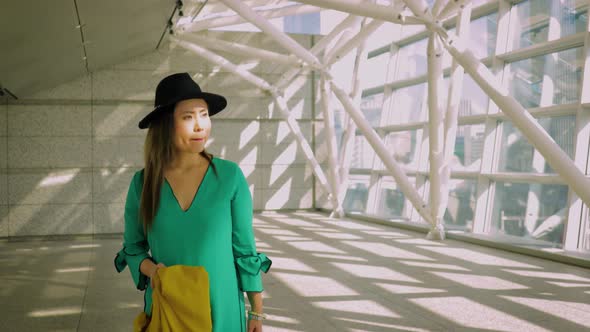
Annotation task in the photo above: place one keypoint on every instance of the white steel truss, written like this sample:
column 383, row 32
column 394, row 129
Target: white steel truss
column 443, row 119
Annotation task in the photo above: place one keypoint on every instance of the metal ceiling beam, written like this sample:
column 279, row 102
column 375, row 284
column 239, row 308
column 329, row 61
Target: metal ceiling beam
column 247, row 51
column 364, row 8
column 217, row 22
column 281, row 37
column 319, row 47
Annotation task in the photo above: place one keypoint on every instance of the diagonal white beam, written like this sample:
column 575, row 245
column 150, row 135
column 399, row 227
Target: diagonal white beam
column 435, row 132
column 224, row 63
column 451, row 8
column 247, row 51
column 330, row 135
column 420, row 9
column 381, row 150
column 353, row 43
column 351, row 21
column 437, row 7
column 281, row 37
column 281, row 103
column 316, row 49
column 216, row 22
column 531, row 129
column 367, row 9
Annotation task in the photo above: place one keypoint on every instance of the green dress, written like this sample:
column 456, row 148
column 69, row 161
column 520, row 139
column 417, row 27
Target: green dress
column 215, row 232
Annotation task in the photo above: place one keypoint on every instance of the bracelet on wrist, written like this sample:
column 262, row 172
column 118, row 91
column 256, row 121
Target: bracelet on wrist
column 253, row 315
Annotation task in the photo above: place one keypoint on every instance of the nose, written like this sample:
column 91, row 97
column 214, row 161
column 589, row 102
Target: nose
column 198, row 126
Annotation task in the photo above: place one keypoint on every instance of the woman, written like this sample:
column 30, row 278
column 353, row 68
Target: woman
column 190, row 208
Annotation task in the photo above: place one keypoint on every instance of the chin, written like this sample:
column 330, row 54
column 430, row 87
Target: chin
column 193, row 150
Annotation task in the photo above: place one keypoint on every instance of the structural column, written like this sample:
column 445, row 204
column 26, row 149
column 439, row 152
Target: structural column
column 435, row 133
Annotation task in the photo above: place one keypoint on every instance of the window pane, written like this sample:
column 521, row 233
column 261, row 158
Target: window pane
column 585, row 234
column 384, row 35
column 339, row 118
column 355, row 200
column 518, row 155
column 482, row 37
column 546, row 80
column 542, row 20
column 468, row 148
column 412, row 60
column 403, row 146
column 391, row 201
column 375, row 71
column 371, row 107
column 406, row 105
column 473, row 100
column 461, row 205
column 531, row 211
column 362, row 154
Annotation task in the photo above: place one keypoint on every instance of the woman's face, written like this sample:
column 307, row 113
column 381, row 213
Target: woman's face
column 192, row 125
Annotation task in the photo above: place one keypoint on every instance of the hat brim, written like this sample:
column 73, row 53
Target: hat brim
column 215, row 103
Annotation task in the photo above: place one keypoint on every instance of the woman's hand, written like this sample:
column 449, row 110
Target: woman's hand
column 254, row 325
column 153, row 274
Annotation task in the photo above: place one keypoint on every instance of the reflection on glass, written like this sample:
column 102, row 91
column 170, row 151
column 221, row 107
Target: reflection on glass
column 391, row 201
column 384, row 35
column 542, row 20
column 412, row 60
column 468, row 148
column 355, row 200
column 461, row 205
column 482, row 37
column 531, row 211
column 339, row 124
column 473, row 100
column 375, row 70
column 546, row 80
column 585, row 234
column 371, row 107
column 518, row 155
column 402, row 145
column 407, row 104
column 362, row 153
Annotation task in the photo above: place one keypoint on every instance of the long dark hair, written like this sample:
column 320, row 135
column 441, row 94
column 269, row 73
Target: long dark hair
column 158, row 153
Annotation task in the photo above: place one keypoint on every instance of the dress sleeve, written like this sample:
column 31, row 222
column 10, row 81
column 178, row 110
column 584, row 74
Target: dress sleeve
column 248, row 262
column 135, row 245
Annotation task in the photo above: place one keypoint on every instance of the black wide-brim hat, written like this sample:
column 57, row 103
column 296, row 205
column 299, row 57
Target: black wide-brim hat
column 178, row 87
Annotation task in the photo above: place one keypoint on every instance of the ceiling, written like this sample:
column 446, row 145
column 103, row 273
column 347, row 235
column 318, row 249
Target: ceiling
column 45, row 40
column 47, row 43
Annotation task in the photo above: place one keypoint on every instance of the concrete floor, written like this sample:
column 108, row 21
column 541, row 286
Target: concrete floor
column 326, row 276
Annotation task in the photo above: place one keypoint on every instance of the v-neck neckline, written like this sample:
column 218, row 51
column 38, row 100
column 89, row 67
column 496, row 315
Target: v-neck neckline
column 196, row 193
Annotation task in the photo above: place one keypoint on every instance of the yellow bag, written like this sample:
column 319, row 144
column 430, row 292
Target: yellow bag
column 180, row 301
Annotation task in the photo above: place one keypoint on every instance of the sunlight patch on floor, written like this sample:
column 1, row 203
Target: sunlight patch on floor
column 312, row 286
column 479, row 281
column 364, row 307
column 576, row 312
column 471, row 314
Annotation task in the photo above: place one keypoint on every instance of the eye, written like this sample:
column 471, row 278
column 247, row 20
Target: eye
column 186, row 117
